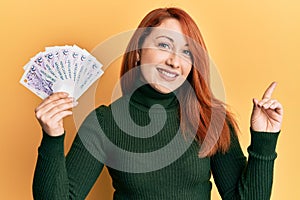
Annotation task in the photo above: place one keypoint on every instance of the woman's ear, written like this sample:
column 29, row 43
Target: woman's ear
column 138, row 58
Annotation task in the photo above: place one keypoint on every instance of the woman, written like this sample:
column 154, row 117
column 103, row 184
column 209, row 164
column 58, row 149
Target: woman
column 166, row 95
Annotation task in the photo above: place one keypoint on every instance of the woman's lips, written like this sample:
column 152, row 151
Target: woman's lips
column 167, row 75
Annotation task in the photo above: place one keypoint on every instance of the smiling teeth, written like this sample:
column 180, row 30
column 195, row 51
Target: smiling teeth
column 168, row 74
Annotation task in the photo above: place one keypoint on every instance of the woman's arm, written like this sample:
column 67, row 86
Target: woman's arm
column 234, row 176
column 57, row 176
column 238, row 179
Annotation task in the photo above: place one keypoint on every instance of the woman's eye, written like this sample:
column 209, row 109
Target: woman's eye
column 187, row 52
column 164, row 45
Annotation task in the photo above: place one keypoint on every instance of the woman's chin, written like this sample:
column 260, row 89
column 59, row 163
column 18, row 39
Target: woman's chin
column 163, row 89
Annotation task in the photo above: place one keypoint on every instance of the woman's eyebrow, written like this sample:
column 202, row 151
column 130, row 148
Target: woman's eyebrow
column 169, row 38
column 164, row 36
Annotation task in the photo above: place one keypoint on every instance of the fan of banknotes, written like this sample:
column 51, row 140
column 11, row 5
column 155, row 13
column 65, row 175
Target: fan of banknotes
column 69, row 69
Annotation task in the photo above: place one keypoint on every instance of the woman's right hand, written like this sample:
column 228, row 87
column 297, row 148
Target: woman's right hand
column 52, row 110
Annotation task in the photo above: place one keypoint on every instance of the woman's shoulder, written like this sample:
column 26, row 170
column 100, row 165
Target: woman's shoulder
column 103, row 110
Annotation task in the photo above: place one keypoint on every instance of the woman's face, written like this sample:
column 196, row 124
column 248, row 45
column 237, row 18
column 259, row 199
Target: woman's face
column 165, row 57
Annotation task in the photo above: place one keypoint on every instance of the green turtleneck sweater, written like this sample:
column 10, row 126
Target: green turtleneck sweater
column 145, row 161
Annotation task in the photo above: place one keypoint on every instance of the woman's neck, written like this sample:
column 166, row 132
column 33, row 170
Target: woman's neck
column 147, row 96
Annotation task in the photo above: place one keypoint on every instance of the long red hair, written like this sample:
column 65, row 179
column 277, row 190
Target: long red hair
column 213, row 119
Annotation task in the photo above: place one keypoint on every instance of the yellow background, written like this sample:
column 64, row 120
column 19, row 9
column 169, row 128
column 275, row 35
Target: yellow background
column 252, row 43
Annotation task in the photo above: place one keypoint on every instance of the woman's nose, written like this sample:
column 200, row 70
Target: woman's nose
column 173, row 60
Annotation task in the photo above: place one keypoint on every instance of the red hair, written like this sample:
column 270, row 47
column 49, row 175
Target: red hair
column 213, row 118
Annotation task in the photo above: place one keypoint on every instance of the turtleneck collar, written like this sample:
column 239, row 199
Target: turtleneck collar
column 147, row 96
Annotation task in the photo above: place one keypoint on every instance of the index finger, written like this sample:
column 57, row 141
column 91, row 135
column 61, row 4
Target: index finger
column 53, row 97
column 56, row 96
column 269, row 91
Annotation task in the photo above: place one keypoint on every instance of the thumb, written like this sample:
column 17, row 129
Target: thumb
column 255, row 103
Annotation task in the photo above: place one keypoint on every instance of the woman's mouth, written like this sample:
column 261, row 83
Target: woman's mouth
column 168, row 75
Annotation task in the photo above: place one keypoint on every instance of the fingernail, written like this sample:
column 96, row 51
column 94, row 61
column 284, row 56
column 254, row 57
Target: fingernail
column 75, row 103
column 258, row 105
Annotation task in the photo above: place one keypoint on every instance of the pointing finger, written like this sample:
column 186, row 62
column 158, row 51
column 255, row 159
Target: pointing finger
column 269, row 91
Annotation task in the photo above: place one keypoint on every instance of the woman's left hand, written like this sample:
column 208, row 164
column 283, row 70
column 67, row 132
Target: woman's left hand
column 267, row 113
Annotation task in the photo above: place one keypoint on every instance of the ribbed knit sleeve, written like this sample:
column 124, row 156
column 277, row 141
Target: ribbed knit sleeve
column 59, row 177
column 237, row 178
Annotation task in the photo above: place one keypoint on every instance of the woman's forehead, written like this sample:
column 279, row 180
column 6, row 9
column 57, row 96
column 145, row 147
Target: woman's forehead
column 171, row 34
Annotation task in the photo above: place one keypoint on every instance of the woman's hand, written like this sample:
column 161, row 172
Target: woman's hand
column 52, row 110
column 267, row 113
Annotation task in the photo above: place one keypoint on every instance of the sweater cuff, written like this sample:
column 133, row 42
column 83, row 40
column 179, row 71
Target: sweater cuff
column 263, row 143
column 52, row 145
